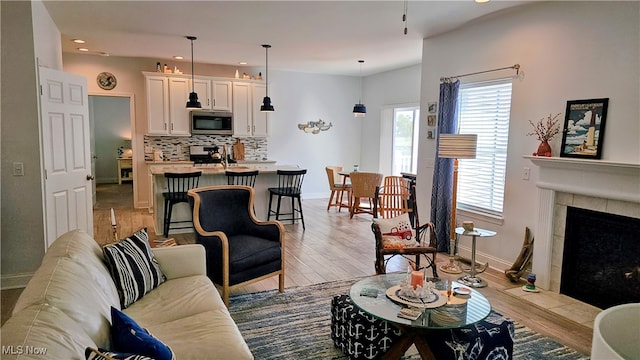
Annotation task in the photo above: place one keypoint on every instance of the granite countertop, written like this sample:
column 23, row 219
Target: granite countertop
column 215, row 169
column 168, row 162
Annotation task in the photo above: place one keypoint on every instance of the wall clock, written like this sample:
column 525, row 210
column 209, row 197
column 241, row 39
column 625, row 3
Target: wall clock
column 106, row 80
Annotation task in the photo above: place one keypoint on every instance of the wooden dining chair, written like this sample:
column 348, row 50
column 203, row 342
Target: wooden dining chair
column 338, row 188
column 363, row 193
column 393, row 197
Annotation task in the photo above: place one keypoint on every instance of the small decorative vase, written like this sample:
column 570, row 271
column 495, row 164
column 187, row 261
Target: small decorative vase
column 544, row 149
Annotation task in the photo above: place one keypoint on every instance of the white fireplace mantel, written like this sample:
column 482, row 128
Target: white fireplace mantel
column 604, row 179
column 596, row 178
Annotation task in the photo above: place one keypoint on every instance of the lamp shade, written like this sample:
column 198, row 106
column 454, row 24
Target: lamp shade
column 266, row 105
column 457, row 146
column 359, row 110
column 193, row 102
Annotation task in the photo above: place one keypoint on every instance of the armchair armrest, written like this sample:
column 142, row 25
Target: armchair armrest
column 181, row 261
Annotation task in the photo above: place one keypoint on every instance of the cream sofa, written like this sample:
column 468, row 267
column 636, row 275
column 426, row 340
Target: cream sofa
column 65, row 308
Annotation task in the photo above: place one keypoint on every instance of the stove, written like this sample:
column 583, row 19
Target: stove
column 202, row 155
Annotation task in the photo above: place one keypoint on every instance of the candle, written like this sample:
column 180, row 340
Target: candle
column 417, row 278
column 113, row 218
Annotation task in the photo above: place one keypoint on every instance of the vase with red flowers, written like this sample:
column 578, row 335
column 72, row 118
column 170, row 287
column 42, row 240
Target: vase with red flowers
column 544, row 130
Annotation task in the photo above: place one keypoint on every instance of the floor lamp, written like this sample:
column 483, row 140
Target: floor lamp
column 455, row 146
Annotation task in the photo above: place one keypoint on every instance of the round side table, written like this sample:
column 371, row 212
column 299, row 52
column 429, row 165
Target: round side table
column 471, row 279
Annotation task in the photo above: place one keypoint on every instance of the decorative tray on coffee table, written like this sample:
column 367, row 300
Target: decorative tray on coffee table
column 438, row 299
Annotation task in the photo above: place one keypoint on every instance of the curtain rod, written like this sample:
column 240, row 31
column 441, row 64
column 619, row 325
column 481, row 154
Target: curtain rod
column 516, row 67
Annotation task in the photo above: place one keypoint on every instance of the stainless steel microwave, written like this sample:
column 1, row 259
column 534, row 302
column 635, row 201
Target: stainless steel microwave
column 211, row 122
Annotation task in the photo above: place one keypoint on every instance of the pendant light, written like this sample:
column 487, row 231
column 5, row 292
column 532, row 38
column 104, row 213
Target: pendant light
column 266, row 102
column 193, row 102
column 359, row 110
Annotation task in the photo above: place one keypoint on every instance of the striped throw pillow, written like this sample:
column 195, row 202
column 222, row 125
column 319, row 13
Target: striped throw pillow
column 102, row 354
column 133, row 268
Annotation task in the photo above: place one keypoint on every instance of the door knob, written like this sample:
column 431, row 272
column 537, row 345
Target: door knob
column 90, row 178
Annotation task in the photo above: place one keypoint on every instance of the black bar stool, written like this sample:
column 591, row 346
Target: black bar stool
column 247, row 178
column 289, row 185
column 177, row 186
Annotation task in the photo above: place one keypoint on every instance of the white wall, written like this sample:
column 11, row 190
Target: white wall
column 397, row 87
column 302, row 97
column 46, row 37
column 568, row 51
column 22, row 222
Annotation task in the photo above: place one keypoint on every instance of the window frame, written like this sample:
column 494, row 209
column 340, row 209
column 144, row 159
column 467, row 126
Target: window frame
column 415, row 109
column 495, row 149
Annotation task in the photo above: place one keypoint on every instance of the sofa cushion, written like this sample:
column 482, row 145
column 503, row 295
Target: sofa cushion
column 129, row 337
column 210, row 335
column 102, row 354
column 71, row 288
column 78, row 247
column 133, row 268
column 48, row 331
column 176, row 299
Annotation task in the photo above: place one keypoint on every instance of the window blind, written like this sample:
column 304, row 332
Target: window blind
column 484, row 109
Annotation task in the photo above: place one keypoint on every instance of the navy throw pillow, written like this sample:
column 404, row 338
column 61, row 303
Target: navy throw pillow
column 129, row 337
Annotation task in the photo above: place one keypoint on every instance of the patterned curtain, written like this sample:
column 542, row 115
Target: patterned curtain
column 442, row 189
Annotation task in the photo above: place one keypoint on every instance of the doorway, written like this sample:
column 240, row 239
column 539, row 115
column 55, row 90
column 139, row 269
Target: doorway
column 112, row 127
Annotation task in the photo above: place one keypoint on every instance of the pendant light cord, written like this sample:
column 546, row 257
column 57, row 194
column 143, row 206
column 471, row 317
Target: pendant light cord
column 266, row 55
column 404, row 15
column 360, row 61
column 192, row 69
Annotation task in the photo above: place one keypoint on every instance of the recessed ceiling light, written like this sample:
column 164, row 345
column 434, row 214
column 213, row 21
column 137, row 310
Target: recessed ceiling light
column 482, row 1
column 242, row 63
column 78, row 41
column 83, row 49
column 178, row 57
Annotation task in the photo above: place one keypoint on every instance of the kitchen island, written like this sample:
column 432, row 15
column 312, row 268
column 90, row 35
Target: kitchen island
column 212, row 174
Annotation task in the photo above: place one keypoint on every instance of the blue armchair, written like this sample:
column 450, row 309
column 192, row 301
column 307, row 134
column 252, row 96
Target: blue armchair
column 240, row 248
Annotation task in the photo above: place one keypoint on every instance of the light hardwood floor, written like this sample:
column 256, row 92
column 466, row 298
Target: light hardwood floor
column 334, row 247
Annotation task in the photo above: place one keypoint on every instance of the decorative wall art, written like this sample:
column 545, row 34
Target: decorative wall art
column 432, row 107
column 583, row 133
column 106, row 80
column 431, row 120
column 314, row 127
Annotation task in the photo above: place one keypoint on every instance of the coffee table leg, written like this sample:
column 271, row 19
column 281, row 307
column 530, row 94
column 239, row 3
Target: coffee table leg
column 403, row 344
column 399, row 348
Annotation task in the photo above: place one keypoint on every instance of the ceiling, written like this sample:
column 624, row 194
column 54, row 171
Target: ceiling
column 326, row 37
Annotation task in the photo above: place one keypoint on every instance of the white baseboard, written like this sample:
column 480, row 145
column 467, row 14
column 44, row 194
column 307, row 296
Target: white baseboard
column 15, row 281
column 494, row 262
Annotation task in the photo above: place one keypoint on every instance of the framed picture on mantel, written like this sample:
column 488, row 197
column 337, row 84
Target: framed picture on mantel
column 583, row 130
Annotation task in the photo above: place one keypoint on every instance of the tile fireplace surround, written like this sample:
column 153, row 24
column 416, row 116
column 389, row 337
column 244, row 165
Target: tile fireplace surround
column 598, row 185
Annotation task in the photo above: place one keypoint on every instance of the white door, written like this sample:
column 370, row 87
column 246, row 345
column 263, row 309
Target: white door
column 66, row 153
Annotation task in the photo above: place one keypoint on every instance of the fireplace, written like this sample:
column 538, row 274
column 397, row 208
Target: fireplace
column 601, row 252
column 598, row 185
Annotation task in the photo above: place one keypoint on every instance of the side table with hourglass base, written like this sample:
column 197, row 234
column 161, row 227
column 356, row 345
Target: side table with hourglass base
column 471, row 279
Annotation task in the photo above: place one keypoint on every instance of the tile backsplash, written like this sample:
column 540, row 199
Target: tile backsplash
column 176, row 148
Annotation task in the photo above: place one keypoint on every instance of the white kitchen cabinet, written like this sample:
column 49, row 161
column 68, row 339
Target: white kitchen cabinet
column 221, row 94
column 247, row 118
column 166, row 105
column 242, row 109
column 179, row 90
column 157, row 105
column 202, row 87
column 260, row 119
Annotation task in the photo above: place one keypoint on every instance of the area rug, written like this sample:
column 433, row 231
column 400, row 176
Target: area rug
column 296, row 324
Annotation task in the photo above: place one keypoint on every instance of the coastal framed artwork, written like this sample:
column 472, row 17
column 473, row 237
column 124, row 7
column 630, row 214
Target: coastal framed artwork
column 583, row 132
